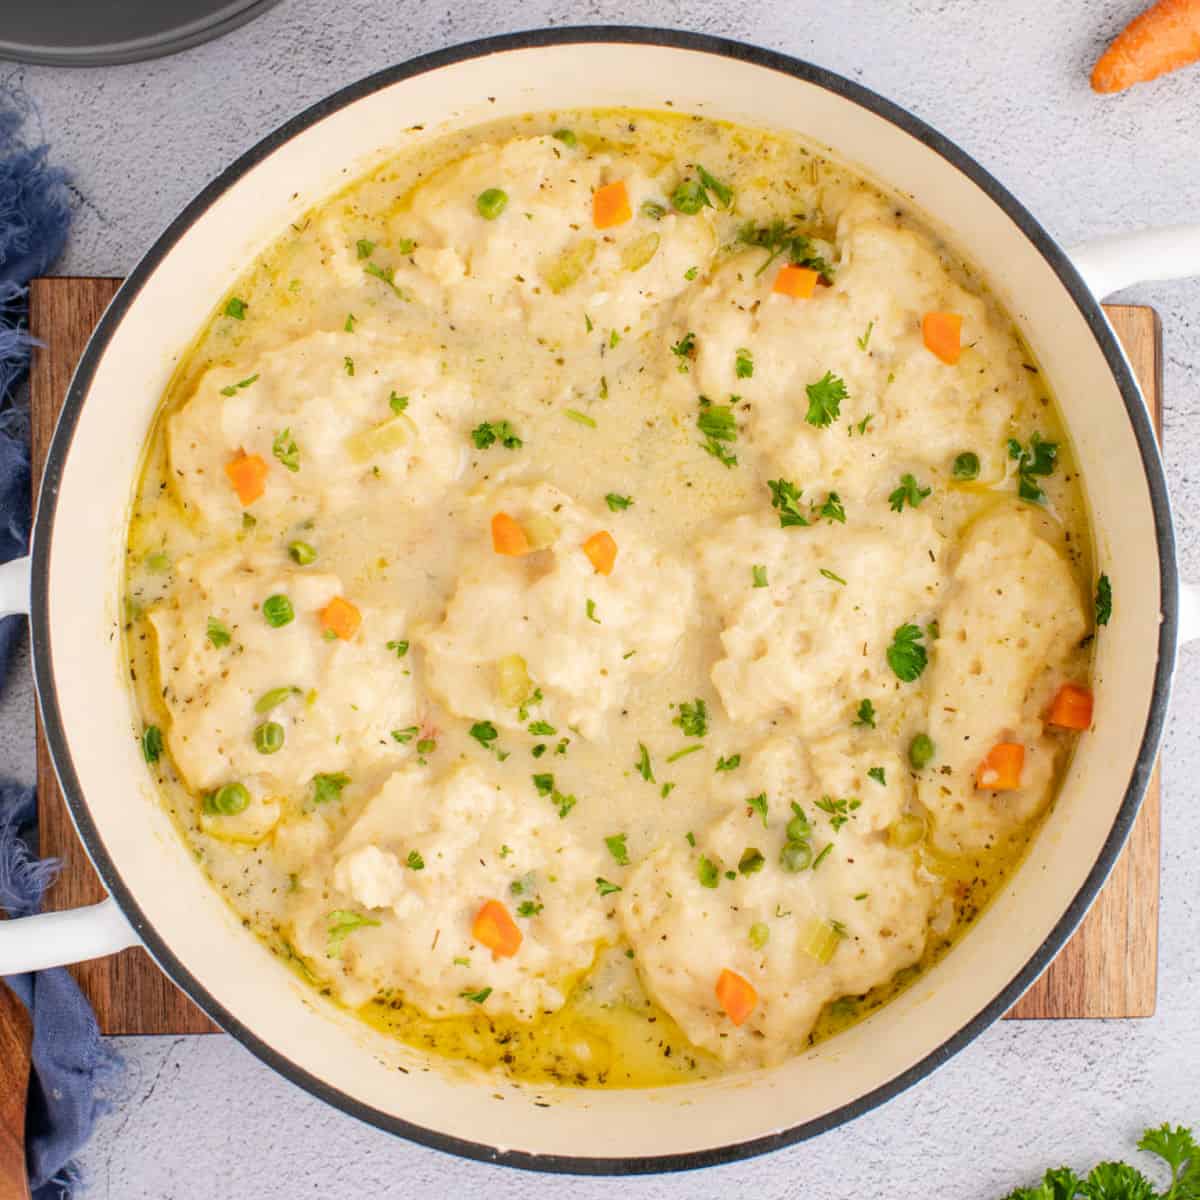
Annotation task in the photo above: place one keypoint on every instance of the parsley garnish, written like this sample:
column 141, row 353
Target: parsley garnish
column 693, row 718
column 877, row 774
column 779, row 237
column 825, row 399
column 415, row 862
column 490, row 432
column 604, row 887
column 591, row 612
column 691, row 273
column 236, row 308
column 542, row 729
column 866, row 714
column 906, row 656
column 722, row 191
column 758, row 804
column 404, row 736
column 544, row 784
column 218, row 633
column 1103, row 600
column 909, row 492
column 476, row 997
column 152, row 743
column 484, row 732
column 385, row 275
column 683, row 753
column 582, row 418
column 729, row 764
column 397, row 403
column 529, row 908
column 708, row 873
column 348, row 364
column 285, row 449
column 564, row 804
column 1037, row 461
column 365, row 248
column 785, row 496
column 832, row 510
column 328, row 787
column 342, row 923
column 399, row 648
column 838, row 811
column 616, row 847
column 823, row 855
column 866, row 337
column 617, row 503
column 718, row 425
column 351, row 321
column 685, row 351
column 743, row 363
column 643, row 764
column 758, row 574
column 832, row 575
column 232, row 389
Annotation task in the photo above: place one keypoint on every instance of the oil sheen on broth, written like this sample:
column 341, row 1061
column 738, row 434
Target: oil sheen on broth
column 609, row 821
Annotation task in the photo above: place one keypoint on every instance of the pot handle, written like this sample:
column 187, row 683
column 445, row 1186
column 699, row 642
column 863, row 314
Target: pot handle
column 1109, row 264
column 59, row 938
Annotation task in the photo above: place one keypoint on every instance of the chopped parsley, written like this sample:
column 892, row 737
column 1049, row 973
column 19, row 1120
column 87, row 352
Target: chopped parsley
column 566, row 136
column 351, row 321
column 906, row 656
column 838, row 811
column 785, row 496
column 616, row 847
column 564, row 804
column 476, row 997
column 743, row 363
column 752, row 860
column 348, row 365
column 718, row 425
column 909, row 492
column 485, row 733
column 400, row 649
column 832, row 510
column 544, row 784
column 365, row 248
column 285, row 450
column 397, row 403
column 604, row 887
column 722, row 191
column 823, row 855
column 877, row 774
column 708, row 873
column 966, row 466
column 236, row 308
column 643, row 764
column 529, row 908
column 758, row 573
column 328, row 787
column 691, row 273
column 780, row 238
column 617, row 503
column 490, row 432
column 1103, row 600
column 426, row 746
column 693, row 718
column 218, row 633
column 542, row 729
column 690, row 197
column 342, row 923
column 729, row 764
column 385, row 275
column 758, row 804
column 581, row 418
column 866, row 714
column 685, row 351
column 825, row 399
column 152, row 743
column 591, row 612
column 832, row 575
column 1038, row 461
column 406, row 735
column 683, row 753
column 414, row 862
column 232, row 389
column 866, row 337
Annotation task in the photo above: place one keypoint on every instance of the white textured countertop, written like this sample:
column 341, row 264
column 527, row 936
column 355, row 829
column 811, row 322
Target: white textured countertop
column 199, row 1117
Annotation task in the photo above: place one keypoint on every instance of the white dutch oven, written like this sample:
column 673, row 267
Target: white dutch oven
column 160, row 899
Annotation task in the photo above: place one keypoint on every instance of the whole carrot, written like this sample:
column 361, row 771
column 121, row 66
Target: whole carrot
column 1164, row 38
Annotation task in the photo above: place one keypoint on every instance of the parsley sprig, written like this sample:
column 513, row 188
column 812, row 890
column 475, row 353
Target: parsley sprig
column 906, row 655
column 825, row 398
column 781, row 238
column 1036, row 461
column 909, row 492
column 717, row 423
column 490, row 432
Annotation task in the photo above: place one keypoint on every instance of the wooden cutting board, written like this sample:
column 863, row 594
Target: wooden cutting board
column 1109, row 968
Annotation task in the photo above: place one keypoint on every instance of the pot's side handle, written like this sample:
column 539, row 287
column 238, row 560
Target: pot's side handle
column 1111, row 263
column 59, row 938
column 14, row 587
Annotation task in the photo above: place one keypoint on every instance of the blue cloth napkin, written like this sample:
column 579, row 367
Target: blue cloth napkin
column 70, row 1061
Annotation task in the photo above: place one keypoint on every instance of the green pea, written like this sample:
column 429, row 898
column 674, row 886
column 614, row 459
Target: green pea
column 491, row 203
column 278, row 611
column 302, row 553
column 689, row 197
column 795, row 857
column 268, row 737
column 966, row 465
column 566, row 136
column 228, row 801
column 921, row 751
column 273, row 698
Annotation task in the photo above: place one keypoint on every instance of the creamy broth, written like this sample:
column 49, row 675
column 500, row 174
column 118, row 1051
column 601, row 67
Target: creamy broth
column 782, row 477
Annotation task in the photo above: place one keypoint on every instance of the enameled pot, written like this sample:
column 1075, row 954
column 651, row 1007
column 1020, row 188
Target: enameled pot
column 71, row 588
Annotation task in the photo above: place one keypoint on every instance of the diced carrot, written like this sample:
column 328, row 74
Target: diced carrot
column 248, row 474
column 508, row 537
column 797, row 282
column 1000, row 771
column 1071, row 708
column 942, row 332
column 602, row 550
column 735, row 995
column 495, row 929
column 340, row 617
column 610, row 205
column 1166, row 36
